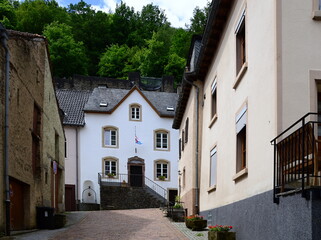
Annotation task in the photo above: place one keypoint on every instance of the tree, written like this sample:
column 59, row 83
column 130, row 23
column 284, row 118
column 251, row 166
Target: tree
column 199, row 19
column 67, row 56
column 175, row 67
column 180, row 42
column 7, row 13
column 34, row 15
column 113, row 61
column 124, row 22
column 93, row 29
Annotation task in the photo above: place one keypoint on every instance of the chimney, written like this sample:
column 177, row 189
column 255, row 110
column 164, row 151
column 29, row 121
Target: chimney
column 134, row 78
column 168, row 84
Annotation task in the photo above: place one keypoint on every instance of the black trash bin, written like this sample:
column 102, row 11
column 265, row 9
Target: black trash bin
column 45, row 218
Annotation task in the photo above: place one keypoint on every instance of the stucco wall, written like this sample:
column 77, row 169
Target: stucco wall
column 70, row 160
column 299, row 45
column 92, row 152
column 257, row 89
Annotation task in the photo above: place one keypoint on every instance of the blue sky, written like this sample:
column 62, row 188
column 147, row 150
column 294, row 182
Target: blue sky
column 178, row 12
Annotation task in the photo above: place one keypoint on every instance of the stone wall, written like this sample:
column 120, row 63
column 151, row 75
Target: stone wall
column 31, row 87
column 115, row 197
column 79, row 82
column 257, row 217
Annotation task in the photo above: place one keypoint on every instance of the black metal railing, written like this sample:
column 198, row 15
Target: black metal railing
column 134, row 180
column 297, row 157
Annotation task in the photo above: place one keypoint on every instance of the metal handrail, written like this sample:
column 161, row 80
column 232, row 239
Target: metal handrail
column 134, row 180
column 292, row 153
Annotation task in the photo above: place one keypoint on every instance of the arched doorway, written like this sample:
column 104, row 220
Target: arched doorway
column 136, row 171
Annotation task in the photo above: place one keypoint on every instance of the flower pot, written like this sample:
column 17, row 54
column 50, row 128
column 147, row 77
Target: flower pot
column 196, row 225
column 221, row 235
column 178, row 214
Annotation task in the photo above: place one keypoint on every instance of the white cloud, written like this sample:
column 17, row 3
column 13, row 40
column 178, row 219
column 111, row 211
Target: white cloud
column 178, row 12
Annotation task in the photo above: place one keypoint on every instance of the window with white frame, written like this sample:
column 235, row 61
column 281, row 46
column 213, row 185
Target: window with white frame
column 240, row 122
column 214, row 98
column 110, row 137
column 162, row 170
column 213, row 167
column 161, row 140
column 110, row 166
column 135, row 112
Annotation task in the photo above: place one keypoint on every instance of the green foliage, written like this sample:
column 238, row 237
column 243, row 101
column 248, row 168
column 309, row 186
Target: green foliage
column 114, row 61
column 199, row 19
column 7, row 14
column 175, row 67
column 34, row 15
column 93, row 29
column 67, row 56
column 85, row 41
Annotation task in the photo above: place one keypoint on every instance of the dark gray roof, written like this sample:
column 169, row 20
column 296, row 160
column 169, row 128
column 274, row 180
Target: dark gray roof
column 72, row 102
column 112, row 97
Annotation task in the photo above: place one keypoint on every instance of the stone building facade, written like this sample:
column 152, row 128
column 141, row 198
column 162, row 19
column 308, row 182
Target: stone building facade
column 36, row 136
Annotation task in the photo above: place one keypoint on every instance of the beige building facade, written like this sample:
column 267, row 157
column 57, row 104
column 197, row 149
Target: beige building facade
column 259, row 68
column 36, row 137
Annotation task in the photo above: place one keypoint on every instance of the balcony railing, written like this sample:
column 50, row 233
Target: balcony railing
column 134, row 180
column 297, row 157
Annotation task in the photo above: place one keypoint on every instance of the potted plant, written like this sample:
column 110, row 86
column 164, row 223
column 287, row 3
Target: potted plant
column 195, row 222
column 178, row 212
column 111, row 175
column 220, row 232
column 162, row 178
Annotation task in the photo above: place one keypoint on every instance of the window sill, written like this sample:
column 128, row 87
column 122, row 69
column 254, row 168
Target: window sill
column 240, row 175
column 211, row 189
column 240, row 75
column 160, row 149
column 110, row 146
column 213, row 121
column 316, row 15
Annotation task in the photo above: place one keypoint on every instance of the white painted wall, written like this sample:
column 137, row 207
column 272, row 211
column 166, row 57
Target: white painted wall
column 70, row 160
column 257, row 88
column 92, row 152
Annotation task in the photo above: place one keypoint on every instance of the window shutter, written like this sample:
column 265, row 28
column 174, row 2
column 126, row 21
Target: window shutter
column 180, row 148
column 186, row 131
column 241, row 119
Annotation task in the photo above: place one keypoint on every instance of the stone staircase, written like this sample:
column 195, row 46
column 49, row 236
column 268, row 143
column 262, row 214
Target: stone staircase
column 118, row 197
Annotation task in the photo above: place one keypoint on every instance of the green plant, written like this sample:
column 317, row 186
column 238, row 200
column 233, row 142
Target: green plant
column 161, row 178
column 111, row 174
column 220, row 228
column 200, row 235
column 178, row 205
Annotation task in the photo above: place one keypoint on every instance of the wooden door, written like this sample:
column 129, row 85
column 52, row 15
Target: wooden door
column 16, row 205
column 70, row 197
column 136, row 176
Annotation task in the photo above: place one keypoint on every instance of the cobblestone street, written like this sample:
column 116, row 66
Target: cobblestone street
column 123, row 224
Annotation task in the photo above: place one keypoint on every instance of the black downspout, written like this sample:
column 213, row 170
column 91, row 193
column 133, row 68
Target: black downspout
column 4, row 38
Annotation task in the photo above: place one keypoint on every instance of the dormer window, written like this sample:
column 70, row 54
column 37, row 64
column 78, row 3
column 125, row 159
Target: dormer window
column 135, row 112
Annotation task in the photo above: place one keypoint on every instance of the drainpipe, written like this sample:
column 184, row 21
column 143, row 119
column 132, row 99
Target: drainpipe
column 196, row 149
column 4, row 38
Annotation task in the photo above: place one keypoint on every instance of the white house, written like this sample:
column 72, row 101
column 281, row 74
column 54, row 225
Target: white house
column 72, row 103
column 117, row 121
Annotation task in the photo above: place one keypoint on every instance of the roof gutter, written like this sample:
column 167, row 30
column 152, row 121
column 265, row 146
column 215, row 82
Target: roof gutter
column 196, row 148
column 4, row 39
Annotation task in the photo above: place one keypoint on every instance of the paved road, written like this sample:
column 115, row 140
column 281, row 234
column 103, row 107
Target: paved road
column 141, row 224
